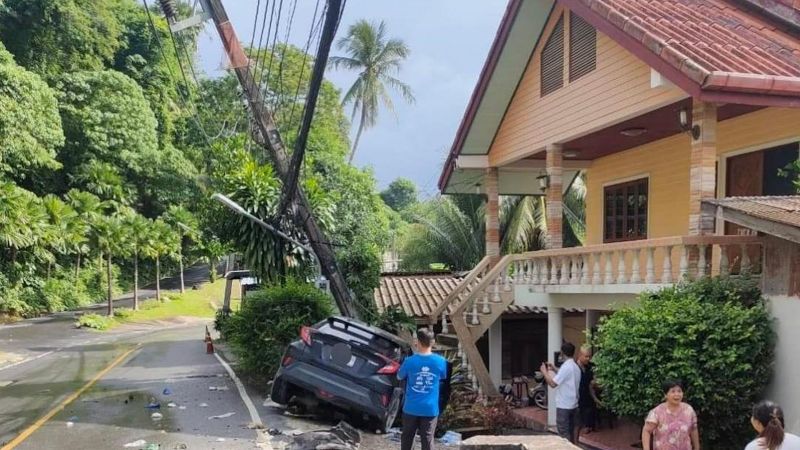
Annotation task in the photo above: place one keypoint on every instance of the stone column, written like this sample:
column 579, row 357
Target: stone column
column 496, row 352
column 492, row 215
column 554, row 196
column 702, row 171
column 554, row 337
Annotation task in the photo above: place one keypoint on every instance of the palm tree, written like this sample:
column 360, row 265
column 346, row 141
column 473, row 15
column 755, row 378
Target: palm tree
column 138, row 231
column 164, row 242
column 109, row 235
column 89, row 208
column 185, row 223
column 377, row 59
column 68, row 231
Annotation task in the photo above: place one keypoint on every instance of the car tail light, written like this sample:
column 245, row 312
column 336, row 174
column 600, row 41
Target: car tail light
column 385, row 400
column 390, row 368
column 287, row 360
column 325, row 395
column 305, row 335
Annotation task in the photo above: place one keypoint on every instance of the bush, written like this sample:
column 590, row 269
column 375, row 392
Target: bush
column 714, row 334
column 94, row 321
column 123, row 313
column 271, row 319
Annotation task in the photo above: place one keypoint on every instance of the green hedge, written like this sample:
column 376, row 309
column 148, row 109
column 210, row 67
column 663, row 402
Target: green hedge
column 715, row 334
column 269, row 320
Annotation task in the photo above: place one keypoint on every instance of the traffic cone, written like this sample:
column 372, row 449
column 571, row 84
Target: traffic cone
column 209, row 342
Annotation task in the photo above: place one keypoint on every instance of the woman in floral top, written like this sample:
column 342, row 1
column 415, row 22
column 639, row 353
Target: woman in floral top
column 671, row 425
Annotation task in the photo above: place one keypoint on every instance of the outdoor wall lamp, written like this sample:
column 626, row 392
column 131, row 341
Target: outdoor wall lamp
column 694, row 131
column 544, row 182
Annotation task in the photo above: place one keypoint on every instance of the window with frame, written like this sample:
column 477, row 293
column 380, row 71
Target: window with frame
column 582, row 47
column 625, row 211
column 552, row 70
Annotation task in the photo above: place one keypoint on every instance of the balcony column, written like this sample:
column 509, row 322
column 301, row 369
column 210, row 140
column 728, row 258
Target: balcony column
column 702, row 175
column 554, row 337
column 492, row 215
column 496, row 352
column 554, row 196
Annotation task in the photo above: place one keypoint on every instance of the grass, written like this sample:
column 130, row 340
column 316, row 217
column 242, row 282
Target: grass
column 202, row 302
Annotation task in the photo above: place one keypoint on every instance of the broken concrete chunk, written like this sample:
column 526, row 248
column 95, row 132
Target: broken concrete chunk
column 541, row 442
column 341, row 437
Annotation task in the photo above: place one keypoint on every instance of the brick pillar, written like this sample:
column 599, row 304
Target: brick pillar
column 492, row 215
column 554, row 196
column 702, row 175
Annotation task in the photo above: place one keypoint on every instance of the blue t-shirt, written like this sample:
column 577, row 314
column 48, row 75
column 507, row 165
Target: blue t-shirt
column 424, row 372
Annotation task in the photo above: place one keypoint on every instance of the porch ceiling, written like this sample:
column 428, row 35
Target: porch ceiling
column 659, row 124
column 511, row 181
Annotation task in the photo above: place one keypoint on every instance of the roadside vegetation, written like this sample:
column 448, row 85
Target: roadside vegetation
column 109, row 158
column 202, row 303
column 715, row 334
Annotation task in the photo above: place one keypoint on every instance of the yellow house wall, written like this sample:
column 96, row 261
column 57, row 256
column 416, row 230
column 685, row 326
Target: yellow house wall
column 619, row 88
column 666, row 163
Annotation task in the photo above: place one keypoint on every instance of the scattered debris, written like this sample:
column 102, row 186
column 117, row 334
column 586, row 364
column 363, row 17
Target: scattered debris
column 156, row 416
column 204, row 405
column 73, row 419
column 70, row 424
column 220, row 439
column 153, row 404
column 180, row 446
column 218, row 388
column 341, row 437
column 222, row 416
column 181, row 407
column 451, row 438
column 171, row 405
column 167, row 391
column 152, row 447
column 274, row 431
column 6, row 383
column 139, row 443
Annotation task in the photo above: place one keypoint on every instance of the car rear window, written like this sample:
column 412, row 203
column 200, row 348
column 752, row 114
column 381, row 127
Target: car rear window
column 374, row 341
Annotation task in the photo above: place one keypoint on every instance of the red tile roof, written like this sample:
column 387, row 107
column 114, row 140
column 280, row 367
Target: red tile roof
column 719, row 45
column 780, row 209
column 419, row 294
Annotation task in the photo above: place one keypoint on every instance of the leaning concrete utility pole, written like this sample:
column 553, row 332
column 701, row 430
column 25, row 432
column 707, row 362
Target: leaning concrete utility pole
column 269, row 138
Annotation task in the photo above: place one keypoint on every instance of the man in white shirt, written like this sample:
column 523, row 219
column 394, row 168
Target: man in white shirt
column 566, row 383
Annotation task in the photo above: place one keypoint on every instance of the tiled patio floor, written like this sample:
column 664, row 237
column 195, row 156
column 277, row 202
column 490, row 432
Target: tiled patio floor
column 621, row 437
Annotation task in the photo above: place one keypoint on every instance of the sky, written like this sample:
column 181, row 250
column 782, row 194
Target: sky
column 449, row 41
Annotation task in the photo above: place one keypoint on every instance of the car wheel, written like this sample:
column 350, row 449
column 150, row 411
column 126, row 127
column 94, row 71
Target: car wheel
column 391, row 414
column 280, row 393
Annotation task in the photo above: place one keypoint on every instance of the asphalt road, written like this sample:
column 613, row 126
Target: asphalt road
column 113, row 411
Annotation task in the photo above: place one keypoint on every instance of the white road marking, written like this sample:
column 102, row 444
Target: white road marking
column 251, row 408
column 33, row 358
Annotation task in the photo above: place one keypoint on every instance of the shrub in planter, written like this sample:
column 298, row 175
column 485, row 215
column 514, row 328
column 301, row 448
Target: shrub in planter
column 715, row 334
column 270, row 319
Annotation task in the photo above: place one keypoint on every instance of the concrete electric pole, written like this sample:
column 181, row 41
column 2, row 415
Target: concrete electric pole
column 269, row 138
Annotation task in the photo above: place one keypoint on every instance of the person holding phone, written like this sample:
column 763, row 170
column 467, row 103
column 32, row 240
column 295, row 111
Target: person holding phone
column 566, row 382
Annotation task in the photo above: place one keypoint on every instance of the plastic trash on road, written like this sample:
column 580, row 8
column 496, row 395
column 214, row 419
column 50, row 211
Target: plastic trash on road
column 451, row 438
column 167, row 391
column 222, row 416
column 171, row 405
column 394, row 434
column 156, row 416
column 218, row 388
column 136, row 444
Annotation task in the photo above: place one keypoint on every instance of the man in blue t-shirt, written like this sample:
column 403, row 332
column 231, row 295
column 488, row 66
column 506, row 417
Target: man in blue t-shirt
column 423, row 372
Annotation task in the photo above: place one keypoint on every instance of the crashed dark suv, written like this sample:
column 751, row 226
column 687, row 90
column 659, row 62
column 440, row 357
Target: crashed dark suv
column 345, row 363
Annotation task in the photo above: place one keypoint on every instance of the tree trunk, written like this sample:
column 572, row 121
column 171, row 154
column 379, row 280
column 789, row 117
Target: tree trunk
column 180, row 260
column 158, row 278
column 358, row 135
column 110, row 294
column 136, row 281
column 78, row 268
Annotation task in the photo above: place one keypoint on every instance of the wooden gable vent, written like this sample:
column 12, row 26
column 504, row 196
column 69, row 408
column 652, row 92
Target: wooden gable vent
column 553, row 60
column 582, row 47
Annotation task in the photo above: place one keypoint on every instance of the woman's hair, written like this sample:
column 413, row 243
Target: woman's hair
column 669, row 384
column 771, row 416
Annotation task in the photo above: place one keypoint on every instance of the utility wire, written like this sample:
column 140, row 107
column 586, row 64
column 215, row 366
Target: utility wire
column 182, row 95
column 272, row 47
column 314, row 28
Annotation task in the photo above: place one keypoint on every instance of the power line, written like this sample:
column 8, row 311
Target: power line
column 314, row 29
column 274, row 43
column 186, row 101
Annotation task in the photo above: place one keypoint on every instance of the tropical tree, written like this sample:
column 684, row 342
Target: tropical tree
column 109, row 235
column 89, row 209
column 377, row 59
column 139, row 237
column 185, row 224
column 164, row 242
column 400, row 194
